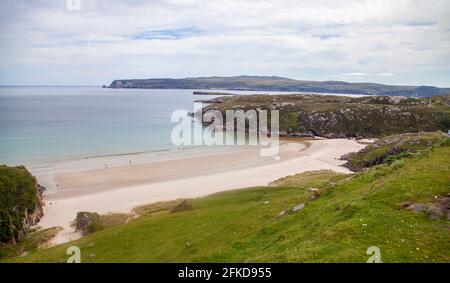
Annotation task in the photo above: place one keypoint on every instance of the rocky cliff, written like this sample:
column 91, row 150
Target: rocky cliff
column 338, row 117
column 20, row 203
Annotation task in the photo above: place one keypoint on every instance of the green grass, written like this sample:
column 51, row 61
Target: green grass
column 34, row 240
column 114, row 219
column 394, row 147
column 353, row 213
column 156, row 208
column 307, row 179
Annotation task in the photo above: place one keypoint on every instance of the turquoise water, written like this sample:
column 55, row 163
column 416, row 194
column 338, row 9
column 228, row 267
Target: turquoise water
column 55, row 123
column 46, row 123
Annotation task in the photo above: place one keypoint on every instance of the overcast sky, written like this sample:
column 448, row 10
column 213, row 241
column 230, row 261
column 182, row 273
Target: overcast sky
column 394, row 42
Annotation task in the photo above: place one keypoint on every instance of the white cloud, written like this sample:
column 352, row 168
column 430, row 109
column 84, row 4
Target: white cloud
column 42, row 41
column 356, row 74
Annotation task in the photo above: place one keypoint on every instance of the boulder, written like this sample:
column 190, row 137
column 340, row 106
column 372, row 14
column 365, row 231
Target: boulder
column 315, row 193
column 88, row 222
column 439, row 209
column 182, row 206
column 298, row 207
column 417, row 207
column 281, row 214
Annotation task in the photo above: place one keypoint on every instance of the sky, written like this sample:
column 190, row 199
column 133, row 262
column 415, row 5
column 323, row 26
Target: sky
column 92, row 42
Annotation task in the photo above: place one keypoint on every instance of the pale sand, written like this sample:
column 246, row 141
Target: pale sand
column 122, row 187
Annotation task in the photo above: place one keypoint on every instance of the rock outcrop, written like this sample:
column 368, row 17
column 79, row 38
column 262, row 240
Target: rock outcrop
column 392, row 148
column 20, row 203
column 438, row 209
column 341, row 117
column 32, row 218
column 182, row 206
column 88, row 222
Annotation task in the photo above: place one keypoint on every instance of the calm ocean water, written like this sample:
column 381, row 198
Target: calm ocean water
column 54, row 123
column 45, row 123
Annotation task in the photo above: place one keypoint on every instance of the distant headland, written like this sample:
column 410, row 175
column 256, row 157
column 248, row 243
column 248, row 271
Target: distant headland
column 272, row 83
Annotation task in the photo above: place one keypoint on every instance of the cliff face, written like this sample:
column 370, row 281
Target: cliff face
column 20, row 203
column 32, row 217
column 338, row 117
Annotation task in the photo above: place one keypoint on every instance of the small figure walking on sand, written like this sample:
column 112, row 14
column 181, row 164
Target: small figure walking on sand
column 130, row 162
column 106, row 166
column 57, row 187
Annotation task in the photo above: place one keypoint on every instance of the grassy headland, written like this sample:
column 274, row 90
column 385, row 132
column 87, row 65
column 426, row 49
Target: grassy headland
column 272, row 83
column 392, row 149
column 338, row 117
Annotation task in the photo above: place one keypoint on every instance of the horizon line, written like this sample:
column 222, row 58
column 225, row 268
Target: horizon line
column 211, row 76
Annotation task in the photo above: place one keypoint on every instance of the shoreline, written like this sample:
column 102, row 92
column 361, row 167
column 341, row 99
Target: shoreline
column 120, row 189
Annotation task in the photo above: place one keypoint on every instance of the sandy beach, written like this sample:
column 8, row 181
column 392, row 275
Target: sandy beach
column 114, row 184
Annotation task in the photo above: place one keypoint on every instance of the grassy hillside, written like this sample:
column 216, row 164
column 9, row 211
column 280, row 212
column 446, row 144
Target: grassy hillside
column 337, row 117
column 392, row 148
column 352, row 213
column 271, row 83
column 35, row 239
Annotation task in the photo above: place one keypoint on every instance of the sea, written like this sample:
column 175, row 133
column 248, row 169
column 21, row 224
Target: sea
column 43, row 123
